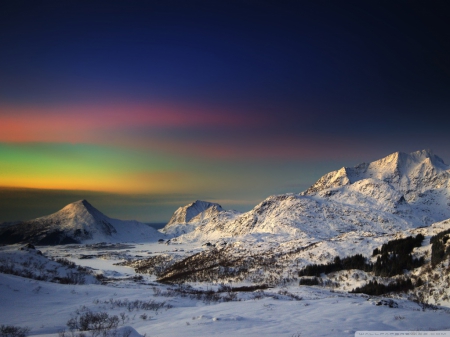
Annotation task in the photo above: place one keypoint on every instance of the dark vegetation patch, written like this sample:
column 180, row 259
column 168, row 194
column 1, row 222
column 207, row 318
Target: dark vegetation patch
column 38, row 268
column 96, row 322
column 224, row 264
column 13, row 331
column 439, row 251
column 375, row 288
column 223, row 294
column 38, row 234
column 248, row 288
column 55, row 237
column 395, row 257
column 154, row 265
column 134, row 305
column 206, row 296
column 309, row 281
column 216, row 264
column 400, row 246
column 352, row 262
column 109, row 246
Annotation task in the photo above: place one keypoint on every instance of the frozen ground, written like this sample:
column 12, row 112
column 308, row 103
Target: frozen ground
column 292, row 310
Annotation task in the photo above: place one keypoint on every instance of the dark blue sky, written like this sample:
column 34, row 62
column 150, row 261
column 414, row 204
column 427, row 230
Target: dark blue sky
column 350, row 54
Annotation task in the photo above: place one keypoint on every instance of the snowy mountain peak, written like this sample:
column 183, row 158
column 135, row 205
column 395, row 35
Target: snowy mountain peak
column 403, row 171
column 187, row 213
column 82, row 209
column 405, row 163
column 81, row 218
column 75, row 223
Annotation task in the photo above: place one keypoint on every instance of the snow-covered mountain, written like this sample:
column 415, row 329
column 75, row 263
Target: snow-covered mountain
column 411, row 173
column 398, row 192
column 394, row 193
column 186, row 213
column 78, row 222
column 188, row 218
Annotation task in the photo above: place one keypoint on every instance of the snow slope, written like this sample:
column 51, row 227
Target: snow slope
column 78, row 222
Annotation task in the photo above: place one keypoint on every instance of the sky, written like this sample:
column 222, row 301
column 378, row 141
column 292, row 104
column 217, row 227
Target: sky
column 144, row 106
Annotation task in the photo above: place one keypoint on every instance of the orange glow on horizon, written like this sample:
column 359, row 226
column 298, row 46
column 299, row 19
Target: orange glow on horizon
column 142, row 183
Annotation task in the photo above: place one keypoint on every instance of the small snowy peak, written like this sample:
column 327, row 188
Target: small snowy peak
column 212, row 225
column 80, row 219
column 186, row 213
column 200, row 214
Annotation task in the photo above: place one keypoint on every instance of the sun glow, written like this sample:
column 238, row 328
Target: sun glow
column 84, row 167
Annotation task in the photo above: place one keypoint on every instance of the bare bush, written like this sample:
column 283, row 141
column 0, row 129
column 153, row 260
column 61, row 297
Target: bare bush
column 96, row 322
column 136, row 304
column 13, row 331
column 35, row 270
column 65, row 262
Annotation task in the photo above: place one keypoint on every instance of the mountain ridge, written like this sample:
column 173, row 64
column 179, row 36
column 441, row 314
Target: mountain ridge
column 394, row 193
column 398, row 192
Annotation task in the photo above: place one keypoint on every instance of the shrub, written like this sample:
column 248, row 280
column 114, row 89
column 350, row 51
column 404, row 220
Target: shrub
column 99, row 322
column 66, row 262
column 13, row 331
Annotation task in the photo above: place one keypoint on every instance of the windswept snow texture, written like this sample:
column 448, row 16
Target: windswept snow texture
column 395, row 193
column 78, row 222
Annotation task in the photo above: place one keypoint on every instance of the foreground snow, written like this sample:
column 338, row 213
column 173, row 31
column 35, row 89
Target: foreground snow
column 307, row 311
column 319, row 313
